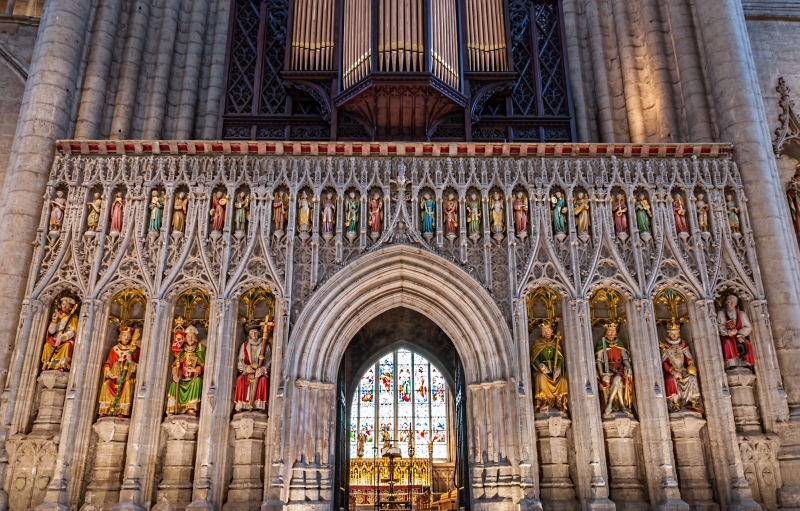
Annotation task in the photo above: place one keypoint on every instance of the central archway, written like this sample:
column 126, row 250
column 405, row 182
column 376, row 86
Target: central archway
column 402, row 277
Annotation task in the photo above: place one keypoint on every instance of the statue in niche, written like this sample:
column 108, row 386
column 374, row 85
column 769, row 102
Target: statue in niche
column 57, row 352
column 328, row 216
column 57, row 207
column 117, row 214
column 734, row 333
column 620, row 211
column 187, row 372
column 615, row 371
column 643, row 215
column 156, row 211
column 520, row 206
column 119, row 375
column 679, row 212
column 280, row 206
column 559, row 207
column 362, row 439
column 474, row 217
column 733, row 214
column 497, row 216
column 375, row 207
column 680, row 372
column 93, row 219
column 179, row 208
column 549, row 379
column 303, row 215
column 428, row 207
column 702, row 212
column 450, row 216
column 794, row 199
column 255, row 358
column 242, row 216
column 352, row 206
column 582, row 216
column 217, row 212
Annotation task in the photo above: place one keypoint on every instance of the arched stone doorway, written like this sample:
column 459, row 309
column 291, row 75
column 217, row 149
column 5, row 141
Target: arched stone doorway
column 500, row 467
column 371, row 379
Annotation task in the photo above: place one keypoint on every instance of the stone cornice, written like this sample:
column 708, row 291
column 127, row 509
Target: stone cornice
column 454, row 149
column 761, row 9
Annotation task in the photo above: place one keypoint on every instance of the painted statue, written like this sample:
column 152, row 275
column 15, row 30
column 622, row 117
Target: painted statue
column 328, row 216
column 352, row 206
column 733, row 214
column 179, row 208
column 680, row 372
column 255, row 358
column 643, row 214
column 57, row 207
column 620, row 211
column 559, row 207
column 217, row 212
column 61, row 332
column 450, row 215
column 497, row 215
column 794, row 200
column 119, row 375
column 280, row 206
column 549, row 379
column 520, row 206
column 117, row 213
column 734, row 333
column 473, row 216
column 615, row 371
column 156, row 211
column 362, row 439
column 93, row 219
column 582, row 217
column 428, row 207
column 242, row 210
column 187, row 373
column 303, row 213
column 375, row 207
column 679, row 212
column 702, row 212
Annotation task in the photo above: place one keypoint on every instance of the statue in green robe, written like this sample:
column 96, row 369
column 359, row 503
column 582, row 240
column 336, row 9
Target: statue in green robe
column 187, row 373
column 474, row 216
column 547, row 360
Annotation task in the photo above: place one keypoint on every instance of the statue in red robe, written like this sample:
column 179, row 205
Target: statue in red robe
column 615, row 371
column 450, row 215
column 734, row 333
column 255, row 355
column 117, row 214
column 217, row 213
column 680, row 373
column 119, row 375
column 679, row 212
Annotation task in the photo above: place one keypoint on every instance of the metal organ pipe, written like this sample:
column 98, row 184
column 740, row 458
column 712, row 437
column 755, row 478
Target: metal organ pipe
column 312, row 35
column 486, row 35
column 356, row 51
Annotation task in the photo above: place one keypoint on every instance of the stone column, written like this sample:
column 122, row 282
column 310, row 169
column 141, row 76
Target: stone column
column 246, row 490
column 591, row 480
column 44, row 118
column 103, row 492
column 741, row 120
column 627, row 490
column 175, row 490
column 556, row 489
column 690, row 461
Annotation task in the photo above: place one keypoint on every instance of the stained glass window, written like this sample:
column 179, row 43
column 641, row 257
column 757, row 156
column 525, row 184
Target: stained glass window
column 404, row 394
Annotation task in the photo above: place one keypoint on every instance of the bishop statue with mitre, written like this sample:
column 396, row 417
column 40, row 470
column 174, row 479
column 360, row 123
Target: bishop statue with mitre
column 252, row 384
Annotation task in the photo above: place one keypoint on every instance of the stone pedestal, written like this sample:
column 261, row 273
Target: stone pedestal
column 246, row 490
column 625, row 482
column 741, row 382
column 53, row 386
column 556, row 489
column 109, row 460
column 690, row 461
column 175, row 490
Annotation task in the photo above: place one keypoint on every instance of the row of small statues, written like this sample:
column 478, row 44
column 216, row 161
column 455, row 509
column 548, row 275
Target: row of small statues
column 185, row 390
column 615, row 369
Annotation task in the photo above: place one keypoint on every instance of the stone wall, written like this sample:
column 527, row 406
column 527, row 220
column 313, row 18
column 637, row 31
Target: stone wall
column 17, row 37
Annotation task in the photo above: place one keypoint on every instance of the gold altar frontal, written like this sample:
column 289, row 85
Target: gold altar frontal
column 413, row 476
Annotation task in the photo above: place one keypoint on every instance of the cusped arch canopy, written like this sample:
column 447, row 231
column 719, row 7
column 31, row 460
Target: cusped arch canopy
column 401, row 276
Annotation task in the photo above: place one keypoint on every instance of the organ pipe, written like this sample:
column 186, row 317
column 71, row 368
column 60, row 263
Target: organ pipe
column 312, row 35
column 486, row 35
column 356, row 51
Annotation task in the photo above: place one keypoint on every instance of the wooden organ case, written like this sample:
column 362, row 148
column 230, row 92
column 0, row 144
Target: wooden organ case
column 397, row 70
